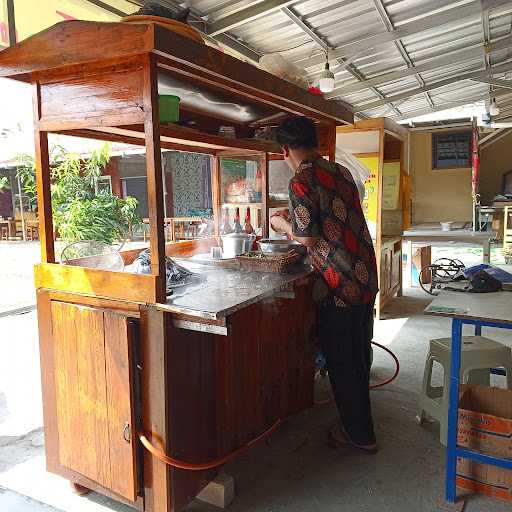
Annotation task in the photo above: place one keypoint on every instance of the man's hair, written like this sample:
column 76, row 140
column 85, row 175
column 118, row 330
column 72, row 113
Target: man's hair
column 297, row 133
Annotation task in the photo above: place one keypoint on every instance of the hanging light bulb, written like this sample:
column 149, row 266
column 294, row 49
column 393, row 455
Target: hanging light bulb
column 494, row 110
column 326, row 80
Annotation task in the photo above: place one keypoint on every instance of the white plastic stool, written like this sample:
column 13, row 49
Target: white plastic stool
column 479, row 355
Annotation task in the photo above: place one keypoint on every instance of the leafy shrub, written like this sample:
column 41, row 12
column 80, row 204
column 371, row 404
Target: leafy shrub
column 4, row 184
column 79, row 212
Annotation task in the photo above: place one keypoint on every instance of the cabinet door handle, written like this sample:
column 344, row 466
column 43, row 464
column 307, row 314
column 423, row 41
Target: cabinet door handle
column 127, row 432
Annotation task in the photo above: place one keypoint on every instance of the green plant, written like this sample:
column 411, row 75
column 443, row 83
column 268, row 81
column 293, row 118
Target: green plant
column 26, row 173
column 4, row 184
column 79, row 213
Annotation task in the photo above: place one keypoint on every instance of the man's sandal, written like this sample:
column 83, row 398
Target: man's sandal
column 339, row 436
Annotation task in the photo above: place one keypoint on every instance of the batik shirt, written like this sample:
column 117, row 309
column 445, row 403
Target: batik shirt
column 325, row 203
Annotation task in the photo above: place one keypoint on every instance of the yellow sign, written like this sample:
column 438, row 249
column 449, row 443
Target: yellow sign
column 33, row 16
column 371, row 193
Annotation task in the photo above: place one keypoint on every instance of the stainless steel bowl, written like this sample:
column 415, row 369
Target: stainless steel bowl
column 270, row 246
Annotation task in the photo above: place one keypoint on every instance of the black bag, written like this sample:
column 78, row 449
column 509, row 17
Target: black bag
column 482, row 282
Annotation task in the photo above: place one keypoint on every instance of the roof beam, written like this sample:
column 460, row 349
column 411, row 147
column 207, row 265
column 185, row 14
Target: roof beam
column 504, row 84
column 492, row 4
column 322, row 43
column 445, row 106
column 384, row 16
column 436, row 85
column 429, row 110
column 486, row 33
column 306, row 28
column 456, row 14
column 433, row 64
column 493, row 137
column 107, row 7
column 246, row 15
column 226, row 39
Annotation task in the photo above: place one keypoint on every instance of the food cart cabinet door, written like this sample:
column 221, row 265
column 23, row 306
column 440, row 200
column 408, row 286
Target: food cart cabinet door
column 92, row 350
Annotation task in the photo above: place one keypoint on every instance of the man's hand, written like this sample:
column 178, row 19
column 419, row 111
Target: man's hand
column 280, row 224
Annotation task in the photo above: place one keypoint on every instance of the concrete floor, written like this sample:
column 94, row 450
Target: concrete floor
column 298, row 470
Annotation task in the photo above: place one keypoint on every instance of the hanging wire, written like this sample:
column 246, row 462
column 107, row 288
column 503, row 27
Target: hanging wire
column 291, row 48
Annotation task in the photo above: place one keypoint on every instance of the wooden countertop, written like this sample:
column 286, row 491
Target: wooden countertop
column 221, row 292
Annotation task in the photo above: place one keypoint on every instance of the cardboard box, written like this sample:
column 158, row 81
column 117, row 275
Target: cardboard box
column 485, row 425
column 421, row 257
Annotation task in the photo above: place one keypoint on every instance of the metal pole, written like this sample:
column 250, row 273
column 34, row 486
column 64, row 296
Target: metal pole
column 453, row 409
column 21, row 210
column 11, row 22
column 475, row 176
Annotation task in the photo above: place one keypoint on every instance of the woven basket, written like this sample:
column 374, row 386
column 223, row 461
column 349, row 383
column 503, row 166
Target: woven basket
column 278, row 264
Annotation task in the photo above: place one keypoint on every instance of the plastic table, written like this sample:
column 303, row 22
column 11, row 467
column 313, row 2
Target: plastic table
column 478, row 310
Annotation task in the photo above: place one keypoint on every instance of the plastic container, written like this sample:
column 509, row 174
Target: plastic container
column 446, row 226
column 169, row 108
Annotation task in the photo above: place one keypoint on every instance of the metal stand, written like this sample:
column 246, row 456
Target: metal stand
column 452, row 450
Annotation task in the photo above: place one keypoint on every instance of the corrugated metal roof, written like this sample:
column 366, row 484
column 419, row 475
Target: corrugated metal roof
column 385, row 42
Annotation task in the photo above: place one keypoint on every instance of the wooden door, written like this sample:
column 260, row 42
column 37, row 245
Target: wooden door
column 93, row 398
column 396, row 265
column 385, row 271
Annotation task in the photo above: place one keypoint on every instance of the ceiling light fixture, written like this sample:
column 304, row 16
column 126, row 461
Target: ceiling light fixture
column 494, row 110
column 326, row 80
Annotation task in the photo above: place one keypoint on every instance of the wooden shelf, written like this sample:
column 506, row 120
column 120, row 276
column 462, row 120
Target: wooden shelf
column 179, row 138
column 278, row 203
column 242, row 205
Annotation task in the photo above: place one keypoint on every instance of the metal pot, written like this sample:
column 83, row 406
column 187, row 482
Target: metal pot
column 236, row 244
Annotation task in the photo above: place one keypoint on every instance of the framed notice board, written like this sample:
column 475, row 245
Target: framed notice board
column 391, row 186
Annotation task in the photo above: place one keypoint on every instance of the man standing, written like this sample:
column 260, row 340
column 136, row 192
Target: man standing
column 326, row 216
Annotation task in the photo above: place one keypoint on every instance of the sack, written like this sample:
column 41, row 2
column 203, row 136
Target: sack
column 359, row 171
column 482, row 282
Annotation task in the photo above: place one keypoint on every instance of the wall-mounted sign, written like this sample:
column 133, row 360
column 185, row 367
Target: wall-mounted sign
column 391, row 186
column 371, row 193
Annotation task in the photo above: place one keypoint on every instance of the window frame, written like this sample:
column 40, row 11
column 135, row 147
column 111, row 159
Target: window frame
column 100, row 183
column 434, row 160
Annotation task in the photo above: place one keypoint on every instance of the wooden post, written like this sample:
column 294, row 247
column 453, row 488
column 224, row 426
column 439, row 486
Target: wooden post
column 44, row 199
column 11, row 22
column 154, row 389
column 265, row 217
column 154, row 174
column 216, row 194
column 378, row 237
column 332, row 143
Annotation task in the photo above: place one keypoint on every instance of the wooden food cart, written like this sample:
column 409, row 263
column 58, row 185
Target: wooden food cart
column 198, row 375
column 382, row 145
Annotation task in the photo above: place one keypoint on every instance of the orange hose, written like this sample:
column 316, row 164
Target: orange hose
column 379, row 384
column 201, row 466
column 397, row 365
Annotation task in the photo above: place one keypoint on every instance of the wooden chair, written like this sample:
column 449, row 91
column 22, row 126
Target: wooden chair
column 31, row 232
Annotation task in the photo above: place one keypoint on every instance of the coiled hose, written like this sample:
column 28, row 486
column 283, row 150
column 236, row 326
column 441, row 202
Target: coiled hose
column 202, row 466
